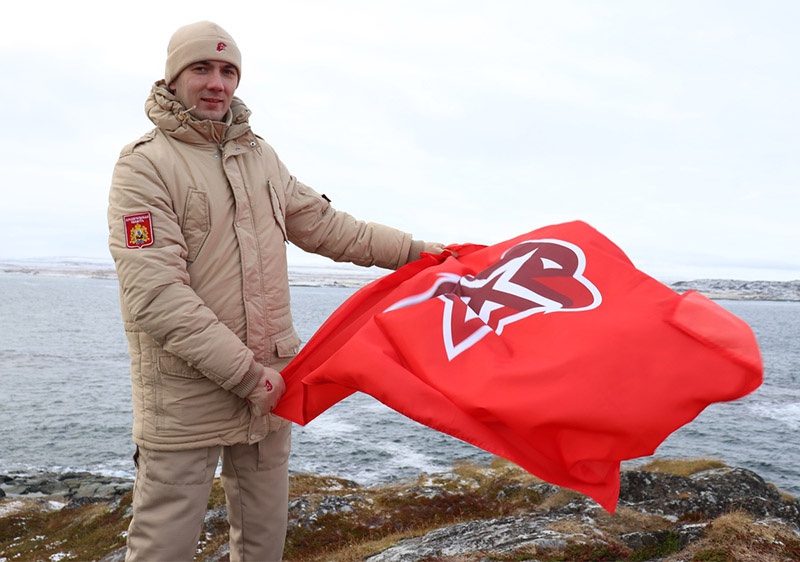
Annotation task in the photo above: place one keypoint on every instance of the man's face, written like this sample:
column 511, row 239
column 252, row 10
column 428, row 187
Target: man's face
column 208, row 86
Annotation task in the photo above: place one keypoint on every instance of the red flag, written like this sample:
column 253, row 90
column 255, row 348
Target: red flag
column 551, row 350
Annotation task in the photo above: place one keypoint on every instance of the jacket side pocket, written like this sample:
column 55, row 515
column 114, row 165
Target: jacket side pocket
column 169, row 364
column 288, row 346
column 196, row 222
column 277, row 209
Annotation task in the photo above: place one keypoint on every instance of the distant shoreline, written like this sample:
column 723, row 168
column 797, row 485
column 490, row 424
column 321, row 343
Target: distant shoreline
column 346, row 276
column 335, row 275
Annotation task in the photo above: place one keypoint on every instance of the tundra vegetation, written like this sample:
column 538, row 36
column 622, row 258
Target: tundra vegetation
column 335, row 520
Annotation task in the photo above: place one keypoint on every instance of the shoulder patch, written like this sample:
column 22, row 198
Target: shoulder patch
column 139, row 230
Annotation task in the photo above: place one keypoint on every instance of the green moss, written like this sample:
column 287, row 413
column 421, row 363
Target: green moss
column 669, row 544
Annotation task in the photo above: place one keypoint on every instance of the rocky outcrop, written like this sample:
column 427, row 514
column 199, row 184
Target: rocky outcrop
column 76, row 487
column 706, row 495
column 503, row 513
column 665, row 507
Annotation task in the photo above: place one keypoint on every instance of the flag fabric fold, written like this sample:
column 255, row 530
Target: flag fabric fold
column 550, row 349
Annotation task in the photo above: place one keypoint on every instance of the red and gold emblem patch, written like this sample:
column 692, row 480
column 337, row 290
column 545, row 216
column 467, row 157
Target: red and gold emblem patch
column 139, row 230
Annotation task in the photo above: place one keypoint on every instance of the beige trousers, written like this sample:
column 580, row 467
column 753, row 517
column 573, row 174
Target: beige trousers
column 170, row 498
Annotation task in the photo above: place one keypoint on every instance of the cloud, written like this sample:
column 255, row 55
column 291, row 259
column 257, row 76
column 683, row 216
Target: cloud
column 671, row 127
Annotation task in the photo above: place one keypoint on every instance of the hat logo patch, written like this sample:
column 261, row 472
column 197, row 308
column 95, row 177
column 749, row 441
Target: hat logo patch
column 221, row 46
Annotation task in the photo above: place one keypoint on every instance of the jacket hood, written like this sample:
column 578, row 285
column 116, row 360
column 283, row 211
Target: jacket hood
column 168, row 114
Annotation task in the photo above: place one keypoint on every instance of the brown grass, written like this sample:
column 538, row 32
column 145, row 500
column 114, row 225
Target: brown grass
column 682, row 467
column 736, row 537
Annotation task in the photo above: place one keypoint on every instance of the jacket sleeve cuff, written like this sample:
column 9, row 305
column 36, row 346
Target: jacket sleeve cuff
column 249, row 380
column 415, row 250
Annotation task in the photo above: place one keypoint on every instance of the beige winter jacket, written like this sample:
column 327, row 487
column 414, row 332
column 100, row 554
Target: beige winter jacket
column 199, row 215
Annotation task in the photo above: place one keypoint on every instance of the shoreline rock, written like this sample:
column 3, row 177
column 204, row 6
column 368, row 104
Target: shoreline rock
column 665, row 508
column 661, row 515
column 74, row 487
column 732, row 289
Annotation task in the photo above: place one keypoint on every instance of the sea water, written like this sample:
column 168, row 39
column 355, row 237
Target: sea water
column 65, row 395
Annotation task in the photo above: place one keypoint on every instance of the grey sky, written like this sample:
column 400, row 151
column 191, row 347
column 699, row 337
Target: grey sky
column 669, row 126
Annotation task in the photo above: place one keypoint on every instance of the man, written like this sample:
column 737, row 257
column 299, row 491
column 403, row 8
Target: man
column 200, row 211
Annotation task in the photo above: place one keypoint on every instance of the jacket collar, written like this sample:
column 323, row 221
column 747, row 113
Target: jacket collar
column 169, row 115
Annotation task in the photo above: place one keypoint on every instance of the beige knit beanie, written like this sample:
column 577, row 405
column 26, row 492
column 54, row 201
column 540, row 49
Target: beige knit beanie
column 203, row 40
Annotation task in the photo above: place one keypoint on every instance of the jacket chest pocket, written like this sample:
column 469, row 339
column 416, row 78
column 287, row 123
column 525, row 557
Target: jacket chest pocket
column 196, row 222
column 277, row 210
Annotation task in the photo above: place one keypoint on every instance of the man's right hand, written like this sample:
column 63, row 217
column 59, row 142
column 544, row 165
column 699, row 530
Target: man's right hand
column 267, row 392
